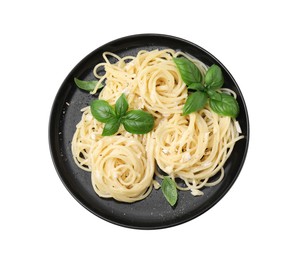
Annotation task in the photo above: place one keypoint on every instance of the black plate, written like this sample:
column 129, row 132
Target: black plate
column 153, row 212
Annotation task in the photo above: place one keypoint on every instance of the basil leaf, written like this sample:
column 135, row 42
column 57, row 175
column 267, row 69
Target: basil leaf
column 195, row 102
column 111, row 126
column 121, row 106
column 102, row 111
column 214, row 95
column 86, row 85
column 169, row 190
column 196, row 86
column 138, row 122
column 188, row 71
column 225, row 105
column 214, row 77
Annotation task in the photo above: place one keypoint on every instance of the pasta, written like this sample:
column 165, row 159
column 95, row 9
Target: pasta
column 192, row 148
column 124, row 169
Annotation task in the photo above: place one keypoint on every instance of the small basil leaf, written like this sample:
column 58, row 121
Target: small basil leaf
column 111, row 126
column 188, row 71
column 169, row 190
column 195, row 102
column 196, row 86
column 102, row 111
column 121, row 106
column 226, row 106
column 214, row 77
column 214, row 95
column 86, row 85
column 138, row 122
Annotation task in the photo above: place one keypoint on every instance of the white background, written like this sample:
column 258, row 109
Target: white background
column 41, row 41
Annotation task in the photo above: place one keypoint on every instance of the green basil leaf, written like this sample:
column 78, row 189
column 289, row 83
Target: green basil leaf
column 196, row 86
column 195, row 102
column 214, row 77
column 138, row 122
column 188, row 71
column 214, row 95
column 102, row 111
column 121, row 106
column 111, row 126
column 86, row 85
column 226, row 106
column 169, row 190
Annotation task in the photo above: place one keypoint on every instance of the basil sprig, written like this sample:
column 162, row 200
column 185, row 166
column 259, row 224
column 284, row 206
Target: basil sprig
column 86, row 85
column 169, row 190
column 134, row 121
column 205, row 90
